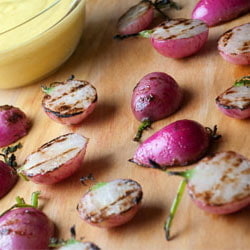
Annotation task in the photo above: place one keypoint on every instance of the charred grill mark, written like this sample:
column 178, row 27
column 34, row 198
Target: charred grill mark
column 102, row 214
column 245, row 47
column 14, row 117
column 246, row 172
column 56, row 140
column 51, row 159
column 5, row 107
column 226, row 37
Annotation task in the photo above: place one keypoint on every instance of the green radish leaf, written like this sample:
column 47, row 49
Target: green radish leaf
column 98, row 185
column 244, row 81
column 47, row 90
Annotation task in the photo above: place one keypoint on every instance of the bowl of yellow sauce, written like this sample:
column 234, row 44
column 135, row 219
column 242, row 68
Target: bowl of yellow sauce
column 36, row 37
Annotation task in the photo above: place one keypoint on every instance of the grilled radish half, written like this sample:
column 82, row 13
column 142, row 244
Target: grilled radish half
column 219, row 184
column 235, row 101
column 110, row 204
column 55, row 160
column 234, row 45
column 179, row 38
column 69, row 102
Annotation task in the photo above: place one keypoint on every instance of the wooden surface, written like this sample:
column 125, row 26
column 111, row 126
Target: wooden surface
column 114, row 67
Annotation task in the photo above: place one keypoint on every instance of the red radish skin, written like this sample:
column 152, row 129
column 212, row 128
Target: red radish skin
column 69, row 102
column 55, row 160
column 8, row 178
column 14, row 125
column 214, row 12
column 136, row 19
column 179, row 38
column 25, row 228
column 234, row 45
column 227, row 177
column 112, row 204
column 235, row 102
column 156, row 96
column 179, row 143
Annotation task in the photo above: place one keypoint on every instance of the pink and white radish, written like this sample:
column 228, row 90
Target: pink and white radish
column 179, row 38
column 14, row 124
column 176, row 38
column 8, row 173
column 141, row 15
column 25, row 227
column 234, row 45
column 111, row 204
column 214, row 12
column 55, row 160
column 179, row 143
column 219, row 184
column 69, row 102
column 136, row 18
column 156, row 96
column 235, row 101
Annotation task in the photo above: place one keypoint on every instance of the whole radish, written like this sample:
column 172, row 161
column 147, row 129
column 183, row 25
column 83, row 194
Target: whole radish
column 214, row 12
column 13, row 125
column 219, row 184
column 55, row 160
column 235, row 101
column 72, row 243
column 234, row 45
column 179, row 143
column 8, row 173
column 111, row 204
column 140, row 16
column 156, row 96
column 69, row 102
column 24, row 226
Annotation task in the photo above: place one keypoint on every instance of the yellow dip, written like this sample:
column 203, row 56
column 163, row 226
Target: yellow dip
column 36, row 37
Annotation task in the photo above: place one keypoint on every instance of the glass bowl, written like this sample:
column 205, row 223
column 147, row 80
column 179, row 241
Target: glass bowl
column 37, row 47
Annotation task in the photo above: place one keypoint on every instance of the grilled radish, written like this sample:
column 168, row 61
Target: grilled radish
column 55, row 160
column 69, row 102
column 77, row 245
column 136, row 19
column 219, row 184
column 110, row 204
column 235, row 101
column 234, row 45
column 179, row 38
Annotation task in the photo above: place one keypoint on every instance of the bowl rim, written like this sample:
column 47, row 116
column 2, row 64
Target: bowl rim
column 72, row 7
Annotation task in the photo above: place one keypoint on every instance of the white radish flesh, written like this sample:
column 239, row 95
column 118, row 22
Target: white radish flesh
column 55, row 160
column 234, row 45
column 69, row 102
column 112, row 204
column 179, row 38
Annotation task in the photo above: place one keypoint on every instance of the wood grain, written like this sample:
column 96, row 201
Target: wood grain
column 114, row 67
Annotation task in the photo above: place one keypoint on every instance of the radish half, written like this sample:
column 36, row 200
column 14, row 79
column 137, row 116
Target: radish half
column 178, row 38
column 14, row 124
column 179, row 143
column 156, row 96
column 136, row 18
column 218, row 184
column 235, row 101
column 234, row 45
column 69, row 102
column 111, row 204
column 24, row 226
column 55, row 160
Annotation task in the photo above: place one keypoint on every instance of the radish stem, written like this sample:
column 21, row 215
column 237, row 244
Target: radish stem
column 174, row 207
column 144, row 125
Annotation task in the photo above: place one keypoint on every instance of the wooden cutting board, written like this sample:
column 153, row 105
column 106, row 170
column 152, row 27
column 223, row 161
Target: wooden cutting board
column 114, row 67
